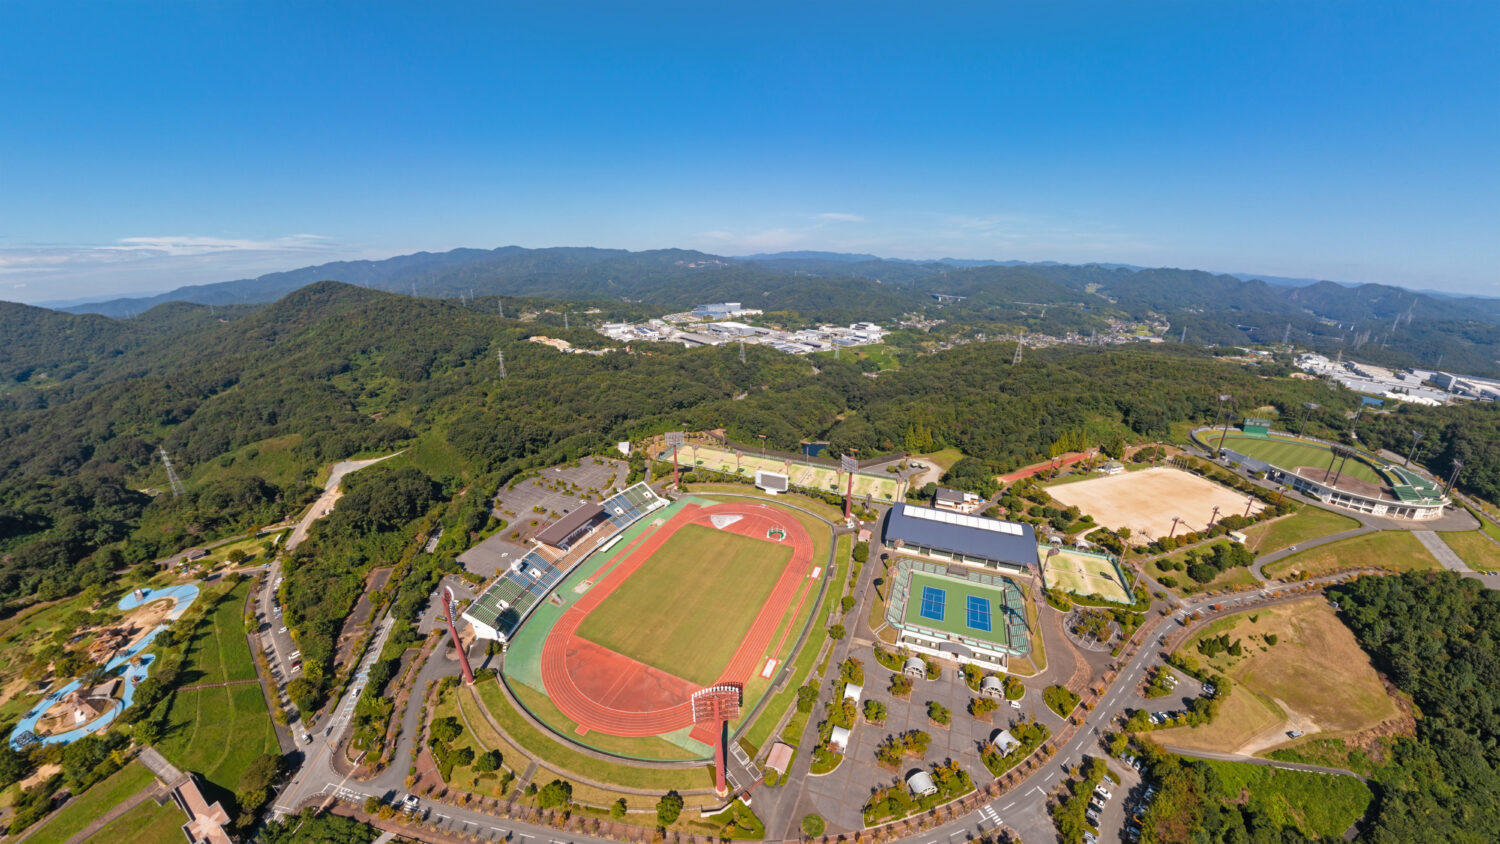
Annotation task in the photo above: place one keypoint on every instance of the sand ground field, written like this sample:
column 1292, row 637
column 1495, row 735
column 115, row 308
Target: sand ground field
column 1146, row 501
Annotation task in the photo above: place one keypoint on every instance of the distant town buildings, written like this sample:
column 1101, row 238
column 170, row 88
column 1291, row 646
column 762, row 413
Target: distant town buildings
column 709, row 325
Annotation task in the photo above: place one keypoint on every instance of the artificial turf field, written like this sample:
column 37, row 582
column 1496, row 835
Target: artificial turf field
column 687, row 609
column 1289, row 455
column 955, row 618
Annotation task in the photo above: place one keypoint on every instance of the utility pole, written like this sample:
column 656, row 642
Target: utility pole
column 501, row 355
column 742, row 353
column 172, row 480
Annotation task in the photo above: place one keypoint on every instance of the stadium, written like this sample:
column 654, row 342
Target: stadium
column 1336, row 475
column 695, row 595
column 952, row 592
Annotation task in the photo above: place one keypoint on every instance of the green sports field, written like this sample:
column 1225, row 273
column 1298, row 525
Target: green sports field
column 1290, row 455
column 955, row 615
column 688, row 607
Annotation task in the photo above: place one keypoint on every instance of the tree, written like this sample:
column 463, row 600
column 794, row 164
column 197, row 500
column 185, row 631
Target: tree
column 255, row 783
column 836, row 632
column 847, row 603
column 617, row 809
column 236, row 556
column 311, row 827
column 487, row 761
column 668, row 808
column 874, row 711
column 304, row 694
column 861, row 552
column 554, row 795
column 807, row 696
column 446, row 729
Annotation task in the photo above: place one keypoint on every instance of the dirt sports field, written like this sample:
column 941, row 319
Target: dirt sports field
column 1146, row 501
column 1085, row 574
column 698, row 601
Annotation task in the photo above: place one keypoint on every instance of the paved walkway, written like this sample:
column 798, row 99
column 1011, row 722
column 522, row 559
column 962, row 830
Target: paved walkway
column 1435, row 544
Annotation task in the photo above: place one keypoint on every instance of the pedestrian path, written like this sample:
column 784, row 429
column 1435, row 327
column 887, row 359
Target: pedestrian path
column 1435, row 544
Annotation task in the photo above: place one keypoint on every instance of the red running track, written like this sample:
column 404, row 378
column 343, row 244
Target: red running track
column 611, row 693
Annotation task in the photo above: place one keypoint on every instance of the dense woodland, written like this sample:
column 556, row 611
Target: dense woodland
column 252, row 403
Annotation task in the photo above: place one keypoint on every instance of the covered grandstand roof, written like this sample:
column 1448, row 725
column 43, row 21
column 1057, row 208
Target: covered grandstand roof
column 558, row 532
column 958, row 533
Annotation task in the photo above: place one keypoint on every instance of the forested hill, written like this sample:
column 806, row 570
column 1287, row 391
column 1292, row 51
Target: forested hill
column 251, row 406
column 1380, row 323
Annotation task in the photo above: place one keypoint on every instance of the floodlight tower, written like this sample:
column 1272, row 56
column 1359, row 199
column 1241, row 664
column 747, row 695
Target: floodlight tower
column 850, row 466
column 1458, row 466
column 1309, row 407
column 1173, row 531
column 674, row 439
column 449, row 604
column 1219, row 449
column 1416, row 437
column 1215, row 517
column 718, row 705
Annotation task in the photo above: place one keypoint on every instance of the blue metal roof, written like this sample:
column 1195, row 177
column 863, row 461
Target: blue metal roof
column 956, row 533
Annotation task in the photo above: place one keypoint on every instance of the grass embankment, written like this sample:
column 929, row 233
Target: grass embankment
column 1474, row 548
column 1308, row 523
column 147, row 823
column 718, row 581
column 1394, row 550
column 218, row 731
column 1319, row 805
column 81, row 811
column 1314, row 678
column 548, row 751
column 645, row 747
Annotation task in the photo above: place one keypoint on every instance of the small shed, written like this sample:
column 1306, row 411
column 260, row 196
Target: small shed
column 1004, row 741
column 921, row 784
column 991, row 686
column 780, row 757
column 1113, row 467
column 853, row 692
column 915, row 667
column 838, row 740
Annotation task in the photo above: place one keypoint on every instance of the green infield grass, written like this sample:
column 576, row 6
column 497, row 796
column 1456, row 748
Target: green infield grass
column 689, row 606
column 1289, row 455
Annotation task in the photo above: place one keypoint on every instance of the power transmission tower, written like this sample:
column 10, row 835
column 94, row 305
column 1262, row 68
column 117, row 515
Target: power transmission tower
column 1017, row 359
column 501, row 303
column 742, row 351
column 501, row 355
column 1183, row 338
column 565, row 320
column 172, row 480
column 1287, row 334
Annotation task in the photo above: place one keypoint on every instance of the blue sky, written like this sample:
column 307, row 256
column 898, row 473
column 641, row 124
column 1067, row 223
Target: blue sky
column 148, row 145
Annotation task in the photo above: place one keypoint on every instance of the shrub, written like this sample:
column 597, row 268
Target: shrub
column 813, row 826
column 806, row 697
column 1060, row 700
column 939, row 713
column 900, row 685
column 554, row 795
column 836, row 632
column 874, row 711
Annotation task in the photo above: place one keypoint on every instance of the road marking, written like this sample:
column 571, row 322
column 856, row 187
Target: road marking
column 1037, row 789
column 1007, row 805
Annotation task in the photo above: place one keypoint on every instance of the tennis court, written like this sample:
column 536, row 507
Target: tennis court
column 978, row 611
column 1084, row 574
column 979, row 604
column 934, row 603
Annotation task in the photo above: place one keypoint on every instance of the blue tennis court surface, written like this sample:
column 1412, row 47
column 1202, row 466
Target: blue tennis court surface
column 934, row 602
column 979, row 613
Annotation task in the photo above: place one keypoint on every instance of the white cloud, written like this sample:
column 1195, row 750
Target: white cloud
column 157, row 262
column 840, row 217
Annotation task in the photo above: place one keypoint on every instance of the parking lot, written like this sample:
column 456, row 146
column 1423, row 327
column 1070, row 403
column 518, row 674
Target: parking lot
column 537, row 502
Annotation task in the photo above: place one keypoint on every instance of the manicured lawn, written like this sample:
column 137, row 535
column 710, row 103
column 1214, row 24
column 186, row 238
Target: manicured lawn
column 218, row 732
column 1474, row 548
column 942, row 459
column 687, row 608
column 1486, row 525
column 82, row 810
column 1314, row 678
column 1320, row 806
column 147, row 823
column 1396, row 550
column 1308, row 523
column 1289, row 455
column 1186, row 585
column 548, row 751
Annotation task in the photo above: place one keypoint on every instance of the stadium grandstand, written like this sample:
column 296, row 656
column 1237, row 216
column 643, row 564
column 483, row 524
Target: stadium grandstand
column 958, row 613
column 961, row 538
column 505, row 603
